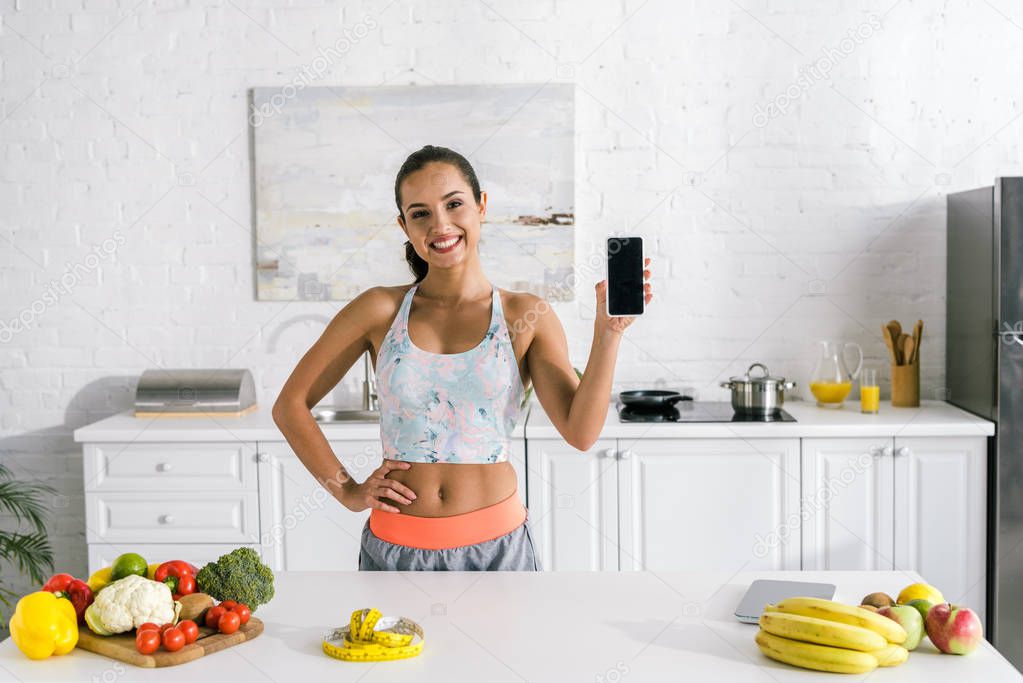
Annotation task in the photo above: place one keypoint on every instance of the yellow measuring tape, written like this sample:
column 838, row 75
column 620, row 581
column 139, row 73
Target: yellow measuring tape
column 372, row 637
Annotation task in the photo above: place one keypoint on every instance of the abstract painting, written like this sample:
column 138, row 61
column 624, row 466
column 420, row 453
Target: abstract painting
column 325, row 160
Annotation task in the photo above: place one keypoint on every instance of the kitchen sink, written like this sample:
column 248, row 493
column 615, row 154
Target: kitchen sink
column 334, row 415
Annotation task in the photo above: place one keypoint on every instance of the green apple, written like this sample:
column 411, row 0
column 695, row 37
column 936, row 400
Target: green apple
column 909, row 618
column 922, row 606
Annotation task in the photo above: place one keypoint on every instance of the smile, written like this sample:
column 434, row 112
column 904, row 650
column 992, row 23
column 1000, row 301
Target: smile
column 447, row 245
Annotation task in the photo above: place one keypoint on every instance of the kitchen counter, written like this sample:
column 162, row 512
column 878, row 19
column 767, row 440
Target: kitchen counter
column 255, row 426
column 529, row 626
column 932, row 418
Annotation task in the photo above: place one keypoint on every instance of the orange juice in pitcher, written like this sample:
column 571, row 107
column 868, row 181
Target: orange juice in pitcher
column 831, row 380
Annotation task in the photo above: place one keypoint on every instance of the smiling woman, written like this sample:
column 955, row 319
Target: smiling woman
column 454, row 355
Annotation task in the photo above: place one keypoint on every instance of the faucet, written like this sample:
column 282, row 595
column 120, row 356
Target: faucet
column 369, row 389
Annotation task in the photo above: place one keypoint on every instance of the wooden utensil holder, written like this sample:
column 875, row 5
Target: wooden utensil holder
column 906, row 385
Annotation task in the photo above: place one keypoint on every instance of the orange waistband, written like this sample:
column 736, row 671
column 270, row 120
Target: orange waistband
column 439, row 533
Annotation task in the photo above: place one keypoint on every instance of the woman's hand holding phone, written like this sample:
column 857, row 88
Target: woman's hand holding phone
column 617, row 324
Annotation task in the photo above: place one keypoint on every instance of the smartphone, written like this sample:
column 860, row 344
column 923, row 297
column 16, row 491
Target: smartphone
column 625, row 296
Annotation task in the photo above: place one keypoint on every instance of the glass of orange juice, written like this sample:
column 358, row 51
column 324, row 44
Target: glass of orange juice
column 870, row 391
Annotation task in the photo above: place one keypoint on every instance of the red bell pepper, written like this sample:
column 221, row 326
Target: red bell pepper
column 178, row 575
column 74, row 590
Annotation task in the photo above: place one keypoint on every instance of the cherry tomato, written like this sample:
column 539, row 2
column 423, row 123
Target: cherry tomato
column 166, row 627
column 229, row 605
column 173, row 639
column 147, row 642
column 229, row 622
column 189, row 629
column 243, row 612
column 148, row 626
column 213, row 615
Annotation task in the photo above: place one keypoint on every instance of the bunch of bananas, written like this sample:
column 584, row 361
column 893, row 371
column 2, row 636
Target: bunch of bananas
column 828, row 636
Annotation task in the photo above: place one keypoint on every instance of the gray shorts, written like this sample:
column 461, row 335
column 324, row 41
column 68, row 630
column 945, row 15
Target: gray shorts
column 511, row 552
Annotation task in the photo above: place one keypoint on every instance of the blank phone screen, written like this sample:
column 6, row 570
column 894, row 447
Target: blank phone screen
column 625, row 275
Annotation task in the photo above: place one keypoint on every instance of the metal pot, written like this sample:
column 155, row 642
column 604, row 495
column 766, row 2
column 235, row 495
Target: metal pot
column 763, row 395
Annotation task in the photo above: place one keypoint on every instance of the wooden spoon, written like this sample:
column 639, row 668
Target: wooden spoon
column 901, row 346
column 918, row 333
column 895, row 329
column 910, row 349
column 887, row 334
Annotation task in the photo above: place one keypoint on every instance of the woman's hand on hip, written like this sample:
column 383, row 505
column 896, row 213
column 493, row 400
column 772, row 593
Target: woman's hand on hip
column 359, row 497
column 617, row 325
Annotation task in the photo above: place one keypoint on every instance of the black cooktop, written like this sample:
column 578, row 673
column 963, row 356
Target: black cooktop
column 696, row 411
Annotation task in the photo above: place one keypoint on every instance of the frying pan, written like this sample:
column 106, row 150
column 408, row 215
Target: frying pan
column 650, row 398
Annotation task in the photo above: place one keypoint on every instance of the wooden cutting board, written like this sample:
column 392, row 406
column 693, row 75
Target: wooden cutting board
column 122, row 646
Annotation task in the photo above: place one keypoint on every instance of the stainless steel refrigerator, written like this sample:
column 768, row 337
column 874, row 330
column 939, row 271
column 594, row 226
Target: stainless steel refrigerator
column 984, row 371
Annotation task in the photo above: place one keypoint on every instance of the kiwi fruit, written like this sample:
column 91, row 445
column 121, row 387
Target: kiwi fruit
column 194, row 605
column 878, row 600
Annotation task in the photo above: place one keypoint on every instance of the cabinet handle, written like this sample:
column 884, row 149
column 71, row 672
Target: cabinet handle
column 902, row 451
column 875, row 451
column 166, row 519
column 625, row 455
column 262, row 457
column 164, row 467
column 887, row 451
column 608, row 453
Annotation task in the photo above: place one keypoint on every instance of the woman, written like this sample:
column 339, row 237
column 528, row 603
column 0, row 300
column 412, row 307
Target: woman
column 445, row 496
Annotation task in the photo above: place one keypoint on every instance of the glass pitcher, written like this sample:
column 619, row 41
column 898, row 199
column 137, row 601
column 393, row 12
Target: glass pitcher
column 831, row 380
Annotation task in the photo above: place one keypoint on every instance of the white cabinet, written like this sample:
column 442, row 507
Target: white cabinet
column 917, row 504
column 847, row 503
column 573, row 504
column 940, row 514
column 175, row 500
column 665, row 504
column 708, row 504
column 304, row 527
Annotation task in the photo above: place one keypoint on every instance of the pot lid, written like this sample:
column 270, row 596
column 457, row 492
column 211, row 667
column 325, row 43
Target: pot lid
column 765, row 377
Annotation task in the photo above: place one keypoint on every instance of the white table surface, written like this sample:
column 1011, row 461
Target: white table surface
column 488, row 627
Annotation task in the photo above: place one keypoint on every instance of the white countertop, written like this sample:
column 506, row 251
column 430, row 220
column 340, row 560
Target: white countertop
column 255, row 426
column 523, row 626
column 932, row 418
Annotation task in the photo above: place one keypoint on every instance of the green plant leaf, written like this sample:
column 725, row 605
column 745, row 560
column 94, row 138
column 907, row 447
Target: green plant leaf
column 31, row 553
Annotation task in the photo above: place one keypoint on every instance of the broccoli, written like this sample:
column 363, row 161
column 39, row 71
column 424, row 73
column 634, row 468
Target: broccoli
column 239, row 576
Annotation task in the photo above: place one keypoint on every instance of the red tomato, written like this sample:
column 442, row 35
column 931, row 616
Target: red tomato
column 147, row 642
column 148, row 626
column 243, row 612
column 229, row 622
column 173, row 639
column 213, row 615
column 229, row 605
column 166, row 627
column 189, row 629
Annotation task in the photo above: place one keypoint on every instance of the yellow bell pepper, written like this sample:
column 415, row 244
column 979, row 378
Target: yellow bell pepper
column 44, row 625
column 151, row 570
column 99, row 579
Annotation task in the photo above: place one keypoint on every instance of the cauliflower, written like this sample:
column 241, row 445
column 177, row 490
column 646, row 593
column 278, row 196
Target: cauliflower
column 130, row 602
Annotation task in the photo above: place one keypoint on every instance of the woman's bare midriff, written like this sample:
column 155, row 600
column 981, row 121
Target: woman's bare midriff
column 445, row 489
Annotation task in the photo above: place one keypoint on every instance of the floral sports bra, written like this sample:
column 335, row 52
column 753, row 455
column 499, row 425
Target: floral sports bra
column 448, row 407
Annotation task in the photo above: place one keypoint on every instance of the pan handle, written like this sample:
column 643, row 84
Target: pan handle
column 726, row 385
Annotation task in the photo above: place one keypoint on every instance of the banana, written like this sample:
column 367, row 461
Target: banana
column 846, row 614
column 811, row 656
column 891, row 655
column 822, row 631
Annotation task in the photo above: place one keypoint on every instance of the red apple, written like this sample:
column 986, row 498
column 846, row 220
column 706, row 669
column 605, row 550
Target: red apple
column 954, row 630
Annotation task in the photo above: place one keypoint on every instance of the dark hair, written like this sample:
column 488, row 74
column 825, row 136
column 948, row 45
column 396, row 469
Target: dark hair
column 415, row 162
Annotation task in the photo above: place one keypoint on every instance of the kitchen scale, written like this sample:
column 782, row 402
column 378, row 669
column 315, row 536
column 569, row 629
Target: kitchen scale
column 688, row 410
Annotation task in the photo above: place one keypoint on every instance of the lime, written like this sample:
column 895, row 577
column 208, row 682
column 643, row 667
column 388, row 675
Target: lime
column 128, row 564
column 94, row 624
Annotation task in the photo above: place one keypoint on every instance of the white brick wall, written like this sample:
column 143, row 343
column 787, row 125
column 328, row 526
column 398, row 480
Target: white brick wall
column 104, row 104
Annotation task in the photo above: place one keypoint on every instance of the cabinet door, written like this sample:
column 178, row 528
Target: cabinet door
column 940, row 514
column 848, row 504
column 573, row 504
column 709, row 504
column 302, row 526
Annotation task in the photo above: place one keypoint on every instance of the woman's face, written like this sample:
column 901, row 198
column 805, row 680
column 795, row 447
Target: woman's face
column 442, row 219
